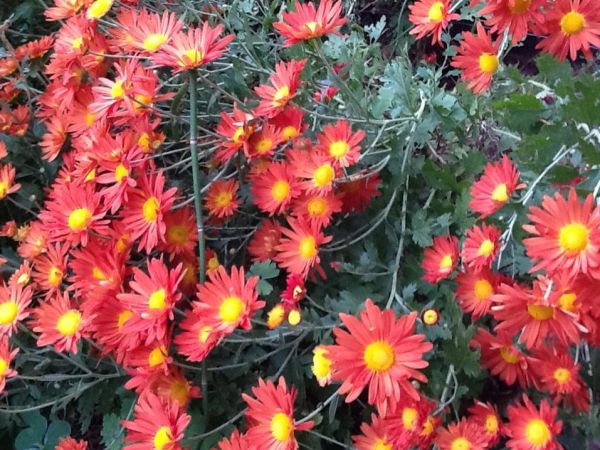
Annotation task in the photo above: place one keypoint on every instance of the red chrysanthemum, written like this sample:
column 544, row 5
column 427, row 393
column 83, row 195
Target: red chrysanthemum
column 408, row 422
column 374, row 435
column 146, row 31
column 486, row 416
column 315, row 170
column 7, row 354
column 281, row 88
column 514, row 16
column 265, row 240
column 236, row 441
column 290, row 121
column 59, row 323
column 357, row 194
column 181, row 233
column 494, row 188
column 430, row 17
column 530, row 428
column 440, row 259
column 566, row 235
column 264, row 142
column 235, row 129
column 481, row 246
column 175, row 387
column 380, row 352
column 192, row 49
column 462, row 435
column 478, row 59
column 571, row 26
column 318, row 209
column 221, row 198
column 338, row 143
column 14, row 301
column 271, row 424
column 298, row 250
column 68, row 443
column 475, row 289
column 50, row 268
column 159, row 424
column 275, row 188
column 308, row 22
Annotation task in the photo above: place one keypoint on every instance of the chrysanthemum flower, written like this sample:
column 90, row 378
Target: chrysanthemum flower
column 440, row 259
column 236, row 441
column 315, row 170
column 566, row 235
column 478, row 59
column 514, row 16
column 308, row 22
column 494, row 188
column 264, row 142
column 64, row 9
column 144, row 362
column 502, row 358
column 149, row 31
column 290, row 121
column 571, row 26
column 271, row 424
column 159, row 424
column 533, row 315
column 197, row 337
column 51, row 267
column 298, row 251
column 54, row 138
column 143, row 215
column 153, row 298
column 486, row 416
column 357, row 194
column 559, row 376
column 321, row 365
column 481, row 246
column 181, row 235
column 175, row 387
column 98, row 9
column 72, row 213
column 281, row 88
column 228, row 301
column 475, row 289
column 374, row 435
column 380, row 352
column 462, row 435
column 265, row 240
column 14, row 301
column 59, row 323
column 108, row 328
column 6, row 357
column 339, row 143
column 35, row 241
column 430, row 17
column 318, row 209
column 407, row 419
column 236, row 128
column 7, row 180
column 68, row 443
column 275, row 188
column 194, row 48
column 221, row 198
column 531, row 429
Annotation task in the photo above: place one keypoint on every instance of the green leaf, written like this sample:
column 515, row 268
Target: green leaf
column 265, row 270
column 112, row 432
column 264, row 287
column 56, row 430
column 29, row 439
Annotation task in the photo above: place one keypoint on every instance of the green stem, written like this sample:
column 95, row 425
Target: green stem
column 198, row 211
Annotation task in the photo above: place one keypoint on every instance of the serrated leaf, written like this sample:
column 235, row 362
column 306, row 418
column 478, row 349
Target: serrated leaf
column 264, row 287
column 265, row 270
column 112, row 432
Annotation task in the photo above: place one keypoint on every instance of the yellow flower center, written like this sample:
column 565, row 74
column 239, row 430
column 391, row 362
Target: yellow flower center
column 540, row 312
column 281, row 96
column 460, row 444
column 150, row 209
column 427, row 427
column 491, row 424
column 294, row 317
column 154, row 41
column 282, row 427
column 308, row 247
column 508, row 355
column 3, row 189
column 379, row 356
column 446, row 262
column 68, row 323
column 223, row 199
column 537, row 432
column 204, row 333
column 23, row 279
column 483, row 289
column 430, row 317
column 338, row 149
column 519, row 6
column 122, row 242
column 55, row 276
column 191, row 57
column 486, row 248
column 77, row 43
column 213, row 263
column 263, row 146
column 123, row 317
column 3, row 367
column 157, row 356
column 79, row 219
column 436, row 12
column 324, row 175
column 567, row 302
column 381, row 444
column 89, row 118
column 562, row 375
column 275, row 316
column 91, row 176
column 157, row 299
column 572, row 23
column 231, row 309
column 177, row 234
column 488, row 63
column 117, row 91
column 99, row 8
column 409, row 418
column 120, row 172
column 317, row 207
column 321, row 367
column 8, row 312
column 179, row 391
column 573, row 238
column 238, row 135
column 162, row 438
column 280, row 190
column 313, row 26
column 500, row 193
column 290, row 132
